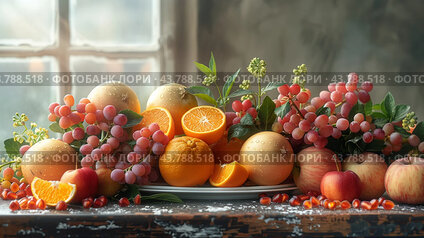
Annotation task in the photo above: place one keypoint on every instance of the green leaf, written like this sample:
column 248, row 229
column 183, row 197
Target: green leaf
column 56, row 128
column 203, row 68
column 402, row 131
column 388, row 105
column 240, row 92
column 229, row 84
column 212, row 64
column 368, row 108
column 355, row 145
column 240, row 131
column 12, row 147
column 272, row 86
column 164, row 197
column 379, row 122
column 266, row 113
column 283, row 110
column 376, row 115
column 133, row 118
column 419, row 130
column 376, row 107
column 323, row 111
column 400, row 112
column 247, row 120
column 203, row 93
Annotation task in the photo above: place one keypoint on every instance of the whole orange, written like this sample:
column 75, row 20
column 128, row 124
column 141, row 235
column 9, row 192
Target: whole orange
column 187, row 161
column 174, row 98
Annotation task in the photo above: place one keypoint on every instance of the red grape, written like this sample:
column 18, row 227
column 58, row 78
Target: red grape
column 67, row 137
column 136, row 135
column 336, row 96
column 336, row 133
column 413, row 140
column 330, row 105
column 96, row 154
column 396, row 138
column 64, row 110
column 143, row 142
column 421, row 147
column 93, row 141
column 317, row 102
column 310, row 116
column 78, row 133
column 350, row 87
column 312, row 136
column 359, row 117
column 92, row 130
column 367, row 137
column 138, row 170
column 295, row 119
column 353, row 78
column 120, row 120
column 87, row 161
column 284, row 89
column 354, row 126
column 365, row 126
column 363, row 96
column 246, row 104
column 153, row 127
column 351, row 98
column 130, row 177
column 321, row 142
column 81, row 107
column 106, row 148
column 325, row 96
column 24, row 149
column 237, row 106
column 109, row 112
column 158, row 148
column 117, row 131
column 332, row 119
column 332, row 87
column 289, row 127
column 252, row 111
column 345, row 110
column 145, row 132
column 321, row 120
column 294, row 89
column 302, row 97
column 342, row 124
column 326, row 131
column 236, row 120
column 388, row 128
column 305, row 125
column 86, row 149
column 53, row 106
column 341, row 87
column 367, row 86
column 113, row 142
column 379, row 134
column 297, row 133
column 117, row 175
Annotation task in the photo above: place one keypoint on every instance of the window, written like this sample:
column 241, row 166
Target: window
column 73, row 36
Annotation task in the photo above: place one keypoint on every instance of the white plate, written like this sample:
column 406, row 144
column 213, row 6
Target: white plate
column 214, row 193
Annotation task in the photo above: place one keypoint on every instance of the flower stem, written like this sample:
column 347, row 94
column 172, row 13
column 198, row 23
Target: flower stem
column 298, row 110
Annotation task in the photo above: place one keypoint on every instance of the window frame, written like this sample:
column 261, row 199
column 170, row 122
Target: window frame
column 63, row 50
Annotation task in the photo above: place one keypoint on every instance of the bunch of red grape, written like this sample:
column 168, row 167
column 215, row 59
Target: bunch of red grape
column 395, row 140
column 302, row 120
column 240, row 109
column 150, row 142
column 67, row 117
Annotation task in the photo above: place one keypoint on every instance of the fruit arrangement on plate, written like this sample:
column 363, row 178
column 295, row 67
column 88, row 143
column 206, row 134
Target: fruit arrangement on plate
column 337, row 147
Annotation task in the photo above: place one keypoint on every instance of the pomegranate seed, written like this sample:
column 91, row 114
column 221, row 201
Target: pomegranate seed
column 336, row 203
column 28, row 190
column 4, row 194
column 20, row 194
column 262, row 195
column 97, row 203
column 31, row 198
column 388, row 205
column 284, row 197
column 303, row 197
column 321, row 197
column 307, row 204
column 332, row 205
column 123, row 202
column 137, row 199
column 23, row 203
column 294, row 201
column 104, row 200
column 41, row 204
column 22, row 186
column 32, row 205
column 345, row 204
column 14, row 205
column 314, row 201
column 86, row 203
column 356, row 203
column 90, row 199
column 380, row 201
column 374, row 204
column 61, row 206
column 11, row 196
column 265, row 201
column 14, row 187
column 277, row 198
column 366, row 205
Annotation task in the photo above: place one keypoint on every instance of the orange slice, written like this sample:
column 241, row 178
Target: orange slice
column 204, row 122
column 229, row 175
column 162, row 117
column 52, row 191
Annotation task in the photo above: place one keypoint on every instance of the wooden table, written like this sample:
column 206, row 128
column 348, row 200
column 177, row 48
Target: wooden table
column 211, row 219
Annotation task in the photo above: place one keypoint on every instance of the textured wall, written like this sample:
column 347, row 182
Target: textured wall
column 327, row 35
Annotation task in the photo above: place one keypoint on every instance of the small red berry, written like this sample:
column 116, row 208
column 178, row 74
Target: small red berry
column 356, row 203
column 314, row 201
column 41, row 204
column 23, row 203
column 374, row 204
column 294, row 201
column 123, row 202
column 277, row 198
column 137, row 199
column 345, row 205
column 388, row 205
column 284, row 197
column 97, row 203
column 14, row 187
column 307, row 204
column 61, row 206
column 14, row 205
column 11, row 196
column 32, row 205
column 87, row 203
column 104, row 200
column 265, row 201
column 366, row 205
column 20, row 194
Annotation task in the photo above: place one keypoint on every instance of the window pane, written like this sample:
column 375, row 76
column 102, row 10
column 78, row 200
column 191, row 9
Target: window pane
column 27, row 22
column 31, row 100
column 115, row 23
column 99, row 64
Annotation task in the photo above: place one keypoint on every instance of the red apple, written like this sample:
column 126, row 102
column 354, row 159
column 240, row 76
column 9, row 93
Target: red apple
column 337, row 185
column 370, row 169
column 86, row 181
column 313, row 163
column 404, row 180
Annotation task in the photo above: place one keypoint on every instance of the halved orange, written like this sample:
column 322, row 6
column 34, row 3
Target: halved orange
column 229, row 175
column 52, row 191
column 162, row 117
column 204, row 122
